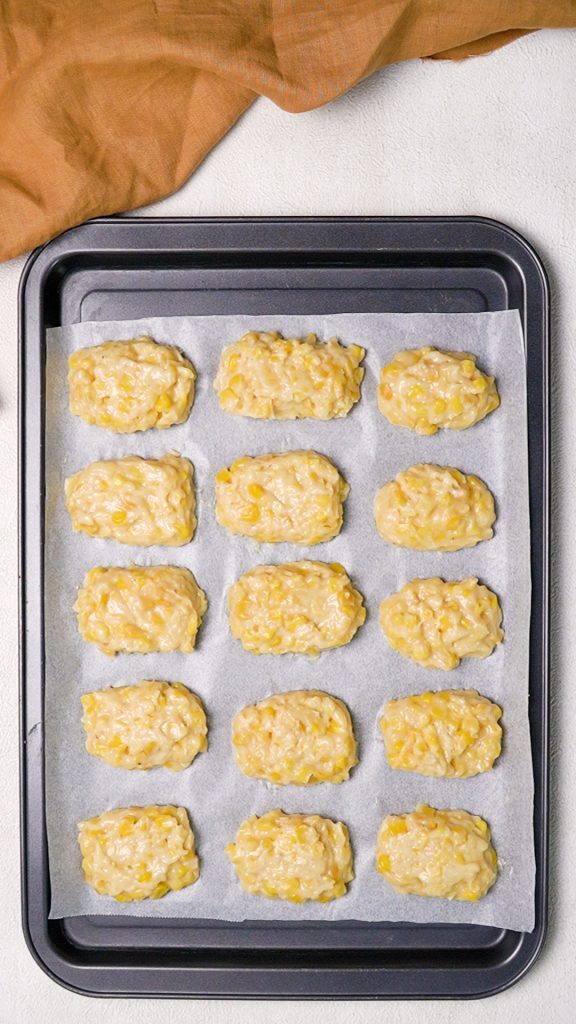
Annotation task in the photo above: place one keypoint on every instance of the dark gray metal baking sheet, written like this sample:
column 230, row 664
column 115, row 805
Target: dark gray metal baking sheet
column 128, row 267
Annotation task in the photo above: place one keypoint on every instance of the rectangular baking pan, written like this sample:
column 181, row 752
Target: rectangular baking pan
column 121, row 268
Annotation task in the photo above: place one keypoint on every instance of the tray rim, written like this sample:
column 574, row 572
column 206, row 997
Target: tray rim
column 64, row 245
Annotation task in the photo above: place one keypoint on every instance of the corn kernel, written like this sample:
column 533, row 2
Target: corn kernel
column 163, row 403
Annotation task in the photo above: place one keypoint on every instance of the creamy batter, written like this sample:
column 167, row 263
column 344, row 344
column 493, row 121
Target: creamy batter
column 436, row 623
column 146, row 725
column 138, row 853
column 266, row 376
column 452, row 734
column 427, row 388
column 294, row 857
column 140, row 609
column 133, row 385
column 134, row 501
column 447, row 854
column 299, row 608
column 296, row 738
column 434, row 508
column 295, row 497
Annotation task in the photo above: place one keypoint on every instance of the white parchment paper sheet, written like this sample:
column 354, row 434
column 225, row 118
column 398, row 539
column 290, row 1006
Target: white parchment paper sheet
column 365, row 673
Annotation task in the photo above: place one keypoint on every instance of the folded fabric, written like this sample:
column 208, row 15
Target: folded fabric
column 106, row 105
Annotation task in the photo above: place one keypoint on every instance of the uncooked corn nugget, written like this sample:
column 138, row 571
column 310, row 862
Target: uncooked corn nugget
column 146, row 725
column 138, row 853
column 296, row 738
column 447, row 854
column 451, row 734
column 437, row 623
column 294, row 497
column 434, row 508
column 132, row 385
column 428, row 388
column 141, row 609
column 266, row 376
column 293, row 857
column 298, row 608
column 134, row 501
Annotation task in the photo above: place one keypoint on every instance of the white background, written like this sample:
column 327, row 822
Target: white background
column 494, row 136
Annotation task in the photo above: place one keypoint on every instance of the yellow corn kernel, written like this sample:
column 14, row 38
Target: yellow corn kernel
column 250, row 514
column 164, row 821
column 163, row 403
column 294, row 624
column 396, row 826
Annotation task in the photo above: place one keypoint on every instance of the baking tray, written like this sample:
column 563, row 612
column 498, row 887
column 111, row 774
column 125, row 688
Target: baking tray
column 122, row 268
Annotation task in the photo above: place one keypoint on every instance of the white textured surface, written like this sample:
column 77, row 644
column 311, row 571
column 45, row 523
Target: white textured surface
column 494, row 136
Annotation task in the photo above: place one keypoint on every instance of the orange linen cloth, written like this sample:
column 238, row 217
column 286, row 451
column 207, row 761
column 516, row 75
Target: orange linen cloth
column 106, row 105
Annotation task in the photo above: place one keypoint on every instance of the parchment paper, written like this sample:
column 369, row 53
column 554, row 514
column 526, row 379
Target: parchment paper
column 365, row 673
